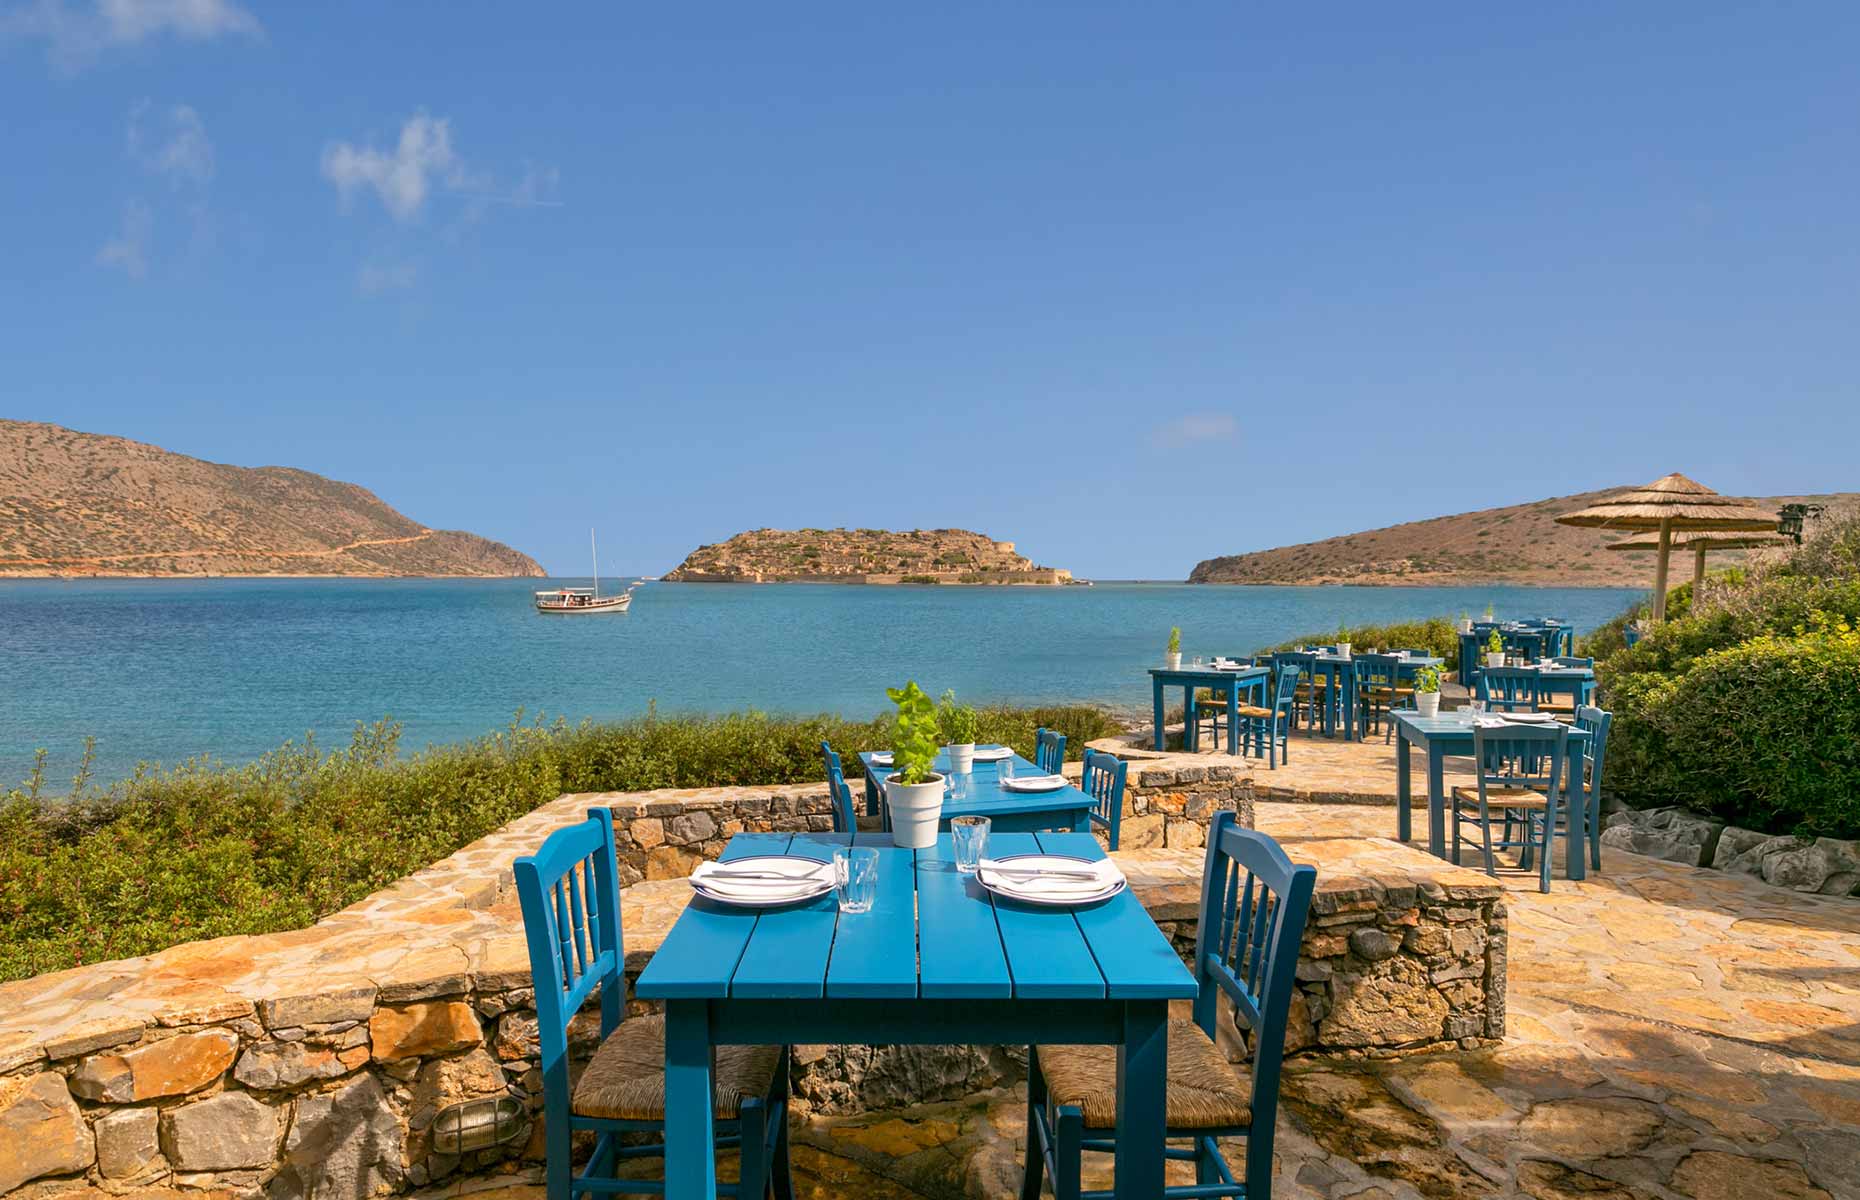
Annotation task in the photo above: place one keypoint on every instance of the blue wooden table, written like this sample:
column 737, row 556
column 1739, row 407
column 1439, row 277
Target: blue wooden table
column 1230, row 683
column 1452, row 733
column 1340, row 695
column 1007, row 812
column 1535, row 641
column 938, row 961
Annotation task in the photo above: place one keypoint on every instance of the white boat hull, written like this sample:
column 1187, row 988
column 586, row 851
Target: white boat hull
column 606, row 604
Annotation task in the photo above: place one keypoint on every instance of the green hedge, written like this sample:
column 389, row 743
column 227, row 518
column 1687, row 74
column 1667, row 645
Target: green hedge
column 1765, row 734
column 1745, row 702
column 1438, row 636
column 205, row 850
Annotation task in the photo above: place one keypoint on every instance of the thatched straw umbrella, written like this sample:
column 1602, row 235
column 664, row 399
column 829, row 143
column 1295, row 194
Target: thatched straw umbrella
column 1699, row 543
column 1671, row 504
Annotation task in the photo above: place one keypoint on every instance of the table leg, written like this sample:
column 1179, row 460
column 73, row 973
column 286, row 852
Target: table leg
column 1233, row 716
column 690, row 1165
column 1404, row 787
column 1346, row 677
column 871, row 795
column 1576, row 818
column 1142, row 1073
column 1081, row 820
column 1156, row 707
column 1436, row 800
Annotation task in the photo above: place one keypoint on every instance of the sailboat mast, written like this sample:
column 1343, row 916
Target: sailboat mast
column 595, row 555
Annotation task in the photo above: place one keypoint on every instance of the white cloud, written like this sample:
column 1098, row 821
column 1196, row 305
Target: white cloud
column 1194, row 429
column 74, row 34
column 403, row 177
column 129, row 248
column 376, row 278
column 184, row 154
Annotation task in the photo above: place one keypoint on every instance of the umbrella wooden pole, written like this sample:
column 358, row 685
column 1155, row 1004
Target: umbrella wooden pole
column 1659, row 572
column 1698, row 570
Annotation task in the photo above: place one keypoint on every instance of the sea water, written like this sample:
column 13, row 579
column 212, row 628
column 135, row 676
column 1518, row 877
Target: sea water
column 162, row 670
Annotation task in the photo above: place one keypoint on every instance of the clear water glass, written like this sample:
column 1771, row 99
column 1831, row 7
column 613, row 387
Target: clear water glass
column 956, row 785
column 855, row 877
column 1005, row 771
column 970, row 835
column 1476, row 708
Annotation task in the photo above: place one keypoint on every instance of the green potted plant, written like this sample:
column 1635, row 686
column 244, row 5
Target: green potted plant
column 1494, row 650
column 913, row 790
column 1343, row 642
column 1465, row 622
column 958, row 723
column 1488, row 612
column 1173, row 657
column 1427, row 691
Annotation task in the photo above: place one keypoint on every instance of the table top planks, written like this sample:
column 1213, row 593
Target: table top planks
column 932, row 933
column 986, row 796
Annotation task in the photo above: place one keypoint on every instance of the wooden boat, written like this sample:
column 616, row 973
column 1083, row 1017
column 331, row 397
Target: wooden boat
column 583, row 600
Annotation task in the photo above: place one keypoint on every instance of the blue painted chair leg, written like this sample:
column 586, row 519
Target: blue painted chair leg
column 1068, row 1152
column 1033, row 1173
column 752, row 1153
column 781, row 1177
column 1205, row 1170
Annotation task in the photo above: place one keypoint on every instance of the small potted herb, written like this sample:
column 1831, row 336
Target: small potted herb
column 1465, row 623
column 1427, row 691
column 1488, row 612
column 1494, row 650
column 1343, row 642
column 913, row 790
column 1173, row 658
column 958, row 723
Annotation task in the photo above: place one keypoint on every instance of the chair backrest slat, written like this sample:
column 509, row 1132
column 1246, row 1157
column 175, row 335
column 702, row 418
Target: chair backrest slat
column 839, row 792
column 1254, row 903
column 1103, row 780
column 1594, row 755
column 1049, row 750
column 1510, row 689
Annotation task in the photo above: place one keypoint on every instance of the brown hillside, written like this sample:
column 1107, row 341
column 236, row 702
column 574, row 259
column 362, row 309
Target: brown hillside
column 87, row 504
column 861, row 556
column 1521, row 544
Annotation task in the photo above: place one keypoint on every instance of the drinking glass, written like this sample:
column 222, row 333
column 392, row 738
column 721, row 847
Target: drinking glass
column 970, row 834
column 855, row 877
column 1006, row 770
column 956, row 785
column 1476, row 707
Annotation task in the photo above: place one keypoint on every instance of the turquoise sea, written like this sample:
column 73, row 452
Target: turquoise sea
column 166, row 669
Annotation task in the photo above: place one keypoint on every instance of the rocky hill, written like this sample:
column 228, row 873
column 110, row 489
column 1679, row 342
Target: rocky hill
column 1521, row 544
column 87, row 504
column 862, row 556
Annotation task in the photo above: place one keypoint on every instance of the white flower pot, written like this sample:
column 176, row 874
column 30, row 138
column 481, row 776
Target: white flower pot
column 1427, row 703
column 915, row 810
column 961, row 758
column 1343, row 649
column 1495, row 660
column 1466, row 625
column 1173, row 661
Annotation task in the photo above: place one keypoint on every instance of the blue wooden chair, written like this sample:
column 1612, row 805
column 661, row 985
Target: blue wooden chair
column 1520, row 769
column 1269, row 728
column 1594, row 758
column 840, row 792
column 1379, row 690
column 570, row 895
column 1312, row 693
column 1049, row 750
column 1630, row 635
column 1253, row 907
column 1211, row 706
column 1509, row 689
column 1103, row 781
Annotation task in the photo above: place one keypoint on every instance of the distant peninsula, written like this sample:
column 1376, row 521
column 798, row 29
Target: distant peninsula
column 1520, row 544
column 875, row 556
column 76, row 503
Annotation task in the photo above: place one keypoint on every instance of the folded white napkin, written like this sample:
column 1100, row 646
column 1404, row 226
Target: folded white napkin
column 762, row 879
column 1027, row 879
column 881, row 758
column 1033, row 783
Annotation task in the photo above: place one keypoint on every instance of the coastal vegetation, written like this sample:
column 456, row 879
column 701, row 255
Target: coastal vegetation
column 924, row 556
column 1745, row 703
column 207, row 850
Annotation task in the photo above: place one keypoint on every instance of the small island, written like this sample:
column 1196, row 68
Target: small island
column 875, row 556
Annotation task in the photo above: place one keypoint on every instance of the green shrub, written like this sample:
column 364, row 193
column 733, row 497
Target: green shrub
column 1764, row 734
column 1437, row 635
column 205, row 850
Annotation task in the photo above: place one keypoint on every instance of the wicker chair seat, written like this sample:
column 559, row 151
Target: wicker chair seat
column 1205, row 1090
column 1557, row 704
column 625, row 1079
column 1501, row 797
column 1254, row 710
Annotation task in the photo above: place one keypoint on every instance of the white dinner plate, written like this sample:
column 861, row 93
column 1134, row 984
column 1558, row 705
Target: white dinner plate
column 881, row 758
column 997, row 877
column 1033, row 783
column 791, row 880
column 993, row 753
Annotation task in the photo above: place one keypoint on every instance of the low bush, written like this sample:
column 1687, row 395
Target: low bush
column 206, row 850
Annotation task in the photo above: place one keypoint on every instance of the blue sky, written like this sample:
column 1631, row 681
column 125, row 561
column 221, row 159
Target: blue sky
column 1129, row 284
